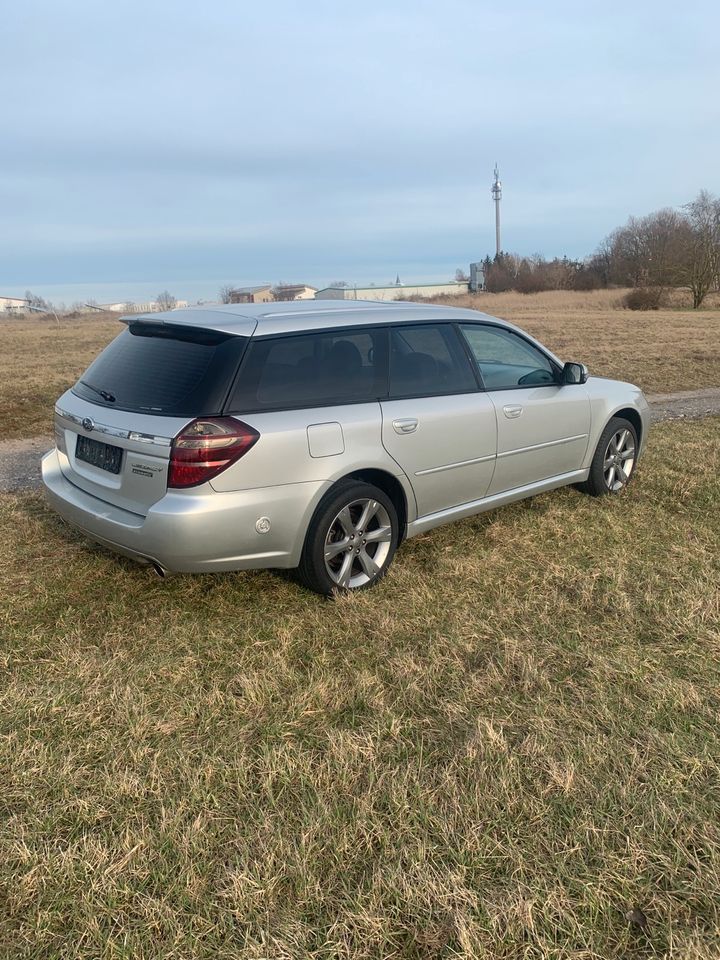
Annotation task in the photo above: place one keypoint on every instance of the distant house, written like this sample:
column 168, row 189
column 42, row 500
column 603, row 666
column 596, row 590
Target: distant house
column 294, row 291
column 13, row 305
column 261, row 294
column 394, row 291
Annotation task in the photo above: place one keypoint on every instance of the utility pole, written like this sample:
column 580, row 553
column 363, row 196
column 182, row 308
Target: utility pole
column 497, row 197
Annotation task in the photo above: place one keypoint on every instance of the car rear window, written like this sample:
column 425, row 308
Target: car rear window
column 311, row 370
column 167, row 370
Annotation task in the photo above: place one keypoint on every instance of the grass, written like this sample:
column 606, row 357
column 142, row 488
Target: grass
column 497, row 754
column 676, row 349
column 39, row 360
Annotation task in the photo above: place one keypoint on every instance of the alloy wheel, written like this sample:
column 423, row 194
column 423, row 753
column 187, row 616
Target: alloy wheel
column 619, row 460
column 357, row 544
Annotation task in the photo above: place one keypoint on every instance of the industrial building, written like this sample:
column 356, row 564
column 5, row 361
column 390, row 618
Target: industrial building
column 13, row 305
column 394, row 291
column 126, row 307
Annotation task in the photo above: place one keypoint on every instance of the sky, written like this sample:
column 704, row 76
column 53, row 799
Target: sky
column 178, row 145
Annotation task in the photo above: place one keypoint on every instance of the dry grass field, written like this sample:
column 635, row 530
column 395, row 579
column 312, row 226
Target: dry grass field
column 498, row 754
column 675, row 349
column 503, row 752
column 663, row 351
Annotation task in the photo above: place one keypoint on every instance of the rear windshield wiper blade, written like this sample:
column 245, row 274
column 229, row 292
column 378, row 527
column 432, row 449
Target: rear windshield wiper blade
column 108, row 397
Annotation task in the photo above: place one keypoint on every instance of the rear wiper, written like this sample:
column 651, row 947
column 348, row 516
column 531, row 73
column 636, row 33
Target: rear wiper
column 108, row 397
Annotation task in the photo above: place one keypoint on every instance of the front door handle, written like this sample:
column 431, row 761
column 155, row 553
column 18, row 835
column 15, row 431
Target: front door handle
column 409, row 425
column 512, row 411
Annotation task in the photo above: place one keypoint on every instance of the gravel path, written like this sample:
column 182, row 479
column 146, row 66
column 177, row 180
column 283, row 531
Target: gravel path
column 691, row 405
column 20, row 459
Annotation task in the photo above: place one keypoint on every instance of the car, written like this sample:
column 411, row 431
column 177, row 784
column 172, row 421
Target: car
column 318, row 436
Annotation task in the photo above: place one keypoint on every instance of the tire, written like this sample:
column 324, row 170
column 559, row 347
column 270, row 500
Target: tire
column 337, row 557
column 614, row 461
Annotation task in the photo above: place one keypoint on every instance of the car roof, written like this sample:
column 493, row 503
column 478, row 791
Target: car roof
column 264, row 319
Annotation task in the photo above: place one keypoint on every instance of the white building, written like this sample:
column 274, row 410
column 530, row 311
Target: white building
column 126, row 307
column 394, row 291
column 13, row 305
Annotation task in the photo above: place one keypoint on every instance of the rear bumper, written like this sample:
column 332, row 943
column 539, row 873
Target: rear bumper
column 192, row 531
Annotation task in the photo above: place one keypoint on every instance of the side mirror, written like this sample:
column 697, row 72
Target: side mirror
column 575, row 373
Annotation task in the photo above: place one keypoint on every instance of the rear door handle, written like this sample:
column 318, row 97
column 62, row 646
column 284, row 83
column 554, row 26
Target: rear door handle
column 409, row 425
column 512, row 411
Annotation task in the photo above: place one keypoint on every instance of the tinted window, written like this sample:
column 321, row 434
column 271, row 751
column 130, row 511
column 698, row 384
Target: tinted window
column 507, row 360
column 427, row 360
column 176, row 371
column 312, row 370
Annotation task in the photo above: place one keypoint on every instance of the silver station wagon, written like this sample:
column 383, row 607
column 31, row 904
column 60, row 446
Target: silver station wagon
column 320, row 435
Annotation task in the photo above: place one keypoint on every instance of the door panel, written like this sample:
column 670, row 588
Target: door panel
column 542, row 432
column 445, row 445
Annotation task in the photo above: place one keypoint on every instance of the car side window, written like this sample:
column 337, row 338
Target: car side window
column 507, row 360
column 311, row 370
column 428, row 360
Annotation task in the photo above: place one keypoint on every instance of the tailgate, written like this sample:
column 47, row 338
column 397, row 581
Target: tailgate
column 117, row 456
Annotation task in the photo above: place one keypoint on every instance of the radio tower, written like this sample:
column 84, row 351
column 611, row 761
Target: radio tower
column 497, row 197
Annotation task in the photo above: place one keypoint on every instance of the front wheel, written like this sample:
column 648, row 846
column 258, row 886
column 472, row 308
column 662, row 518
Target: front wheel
column 614, row 460
column 351, row 539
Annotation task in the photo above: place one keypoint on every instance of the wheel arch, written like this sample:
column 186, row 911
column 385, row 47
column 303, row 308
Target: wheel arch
column 391, row 486
column 632, row 415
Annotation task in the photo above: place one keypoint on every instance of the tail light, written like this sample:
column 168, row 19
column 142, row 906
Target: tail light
column 206, row 447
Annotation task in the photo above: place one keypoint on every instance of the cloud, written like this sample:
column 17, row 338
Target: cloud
column 319, row 137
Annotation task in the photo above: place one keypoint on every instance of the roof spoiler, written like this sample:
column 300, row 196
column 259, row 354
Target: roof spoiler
column 235, row 324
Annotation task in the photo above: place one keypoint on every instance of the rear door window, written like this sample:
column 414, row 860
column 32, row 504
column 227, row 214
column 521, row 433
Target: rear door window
column 428, row 360
column 167, row 370
column 310, row 370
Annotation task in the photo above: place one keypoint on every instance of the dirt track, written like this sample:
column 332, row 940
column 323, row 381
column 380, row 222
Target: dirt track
column 20, row 459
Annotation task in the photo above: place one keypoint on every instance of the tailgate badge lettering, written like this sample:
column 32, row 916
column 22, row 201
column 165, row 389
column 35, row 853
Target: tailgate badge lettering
column 145, row 469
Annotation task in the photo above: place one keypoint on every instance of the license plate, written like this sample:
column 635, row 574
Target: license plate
column 101, row 455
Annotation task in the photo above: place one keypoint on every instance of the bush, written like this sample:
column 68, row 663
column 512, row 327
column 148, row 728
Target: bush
column 645, row 298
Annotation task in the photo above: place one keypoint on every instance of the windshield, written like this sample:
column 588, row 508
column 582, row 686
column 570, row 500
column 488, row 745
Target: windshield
column 167, row 370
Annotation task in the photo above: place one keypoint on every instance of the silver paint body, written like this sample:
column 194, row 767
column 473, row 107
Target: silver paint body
column 453, row 456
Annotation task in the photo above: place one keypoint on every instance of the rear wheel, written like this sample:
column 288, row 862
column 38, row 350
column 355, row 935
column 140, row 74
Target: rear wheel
column 351, row 539
column 614, row 460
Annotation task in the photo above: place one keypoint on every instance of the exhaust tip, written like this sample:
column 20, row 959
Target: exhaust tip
column 159, row 571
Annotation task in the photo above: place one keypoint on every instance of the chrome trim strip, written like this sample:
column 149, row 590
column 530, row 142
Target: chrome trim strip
column 542, row 446
column 109, row 431
column 451, row 466
column 149, row 438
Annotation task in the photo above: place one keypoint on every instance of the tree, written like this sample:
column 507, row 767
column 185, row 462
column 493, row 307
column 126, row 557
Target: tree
column 226, row 293
column 165, row 301
column 501, row 272
column 461, row 276
column 35, row 301
column 701, row 270
column 647, row 252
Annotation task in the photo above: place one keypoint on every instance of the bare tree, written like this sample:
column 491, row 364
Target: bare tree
column 461, row 276
column 166, row 301
column 702, row 266
column 226, row 293
column 34, row 301
column 647, row 252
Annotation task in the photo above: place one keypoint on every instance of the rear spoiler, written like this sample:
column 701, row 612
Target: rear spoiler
column 204, row 318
